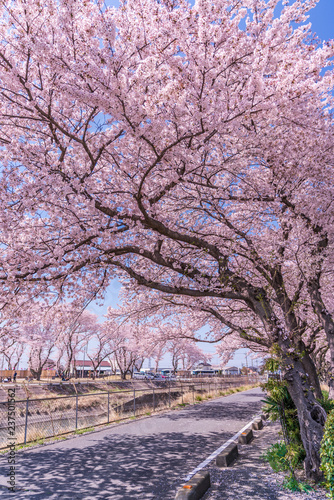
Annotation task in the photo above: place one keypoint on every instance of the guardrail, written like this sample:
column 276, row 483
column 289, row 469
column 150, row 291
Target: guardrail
column 34, row 419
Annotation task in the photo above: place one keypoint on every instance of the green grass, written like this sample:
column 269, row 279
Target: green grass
column 28, row 445
column 82, row 431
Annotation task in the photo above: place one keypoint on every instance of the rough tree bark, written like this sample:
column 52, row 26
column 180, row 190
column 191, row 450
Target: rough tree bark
column 36, row 373
column 311, row 415
column 327, row 322
column 311, row 371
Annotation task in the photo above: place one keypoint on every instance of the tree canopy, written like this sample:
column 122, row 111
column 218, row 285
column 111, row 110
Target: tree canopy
column 183, row 149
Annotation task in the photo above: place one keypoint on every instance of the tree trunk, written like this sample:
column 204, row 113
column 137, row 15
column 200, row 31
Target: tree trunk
column 311, row 371
column 36, row 373
column 330, row 339
column 311, row 416
column 327, row 323
column 331, row 388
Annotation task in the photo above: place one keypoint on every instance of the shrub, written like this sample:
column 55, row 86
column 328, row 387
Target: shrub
column 280, row 406
column 292, row 484
column 287, row 458
column 326, row 403
column 295, row 455
column 275, row 455
column 327, row 454
column 288, row 455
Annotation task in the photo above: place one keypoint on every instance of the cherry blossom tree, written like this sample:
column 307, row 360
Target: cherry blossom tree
column 163, row 332
column 12, row 351
column 128, row 341
column 192, row 355
column 158, row 352
column 46, row 330
column 40, row 329
column 165, row 145
column 81, row 326
column 180, row 345
column 101, row 349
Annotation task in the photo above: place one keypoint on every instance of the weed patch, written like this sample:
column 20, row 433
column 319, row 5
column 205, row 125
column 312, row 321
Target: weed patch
column 82, row 431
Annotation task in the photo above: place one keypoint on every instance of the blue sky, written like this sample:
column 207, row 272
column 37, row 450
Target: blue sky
column 322, row 17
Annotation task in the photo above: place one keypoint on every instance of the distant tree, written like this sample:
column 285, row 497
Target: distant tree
column 81, row 326
column 128, row 343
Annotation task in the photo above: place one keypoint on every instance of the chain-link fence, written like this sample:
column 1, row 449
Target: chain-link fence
column 36, row 419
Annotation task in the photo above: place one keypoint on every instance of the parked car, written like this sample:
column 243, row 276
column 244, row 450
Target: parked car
column 143, row 376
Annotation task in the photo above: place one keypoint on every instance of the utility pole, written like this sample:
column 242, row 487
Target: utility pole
column 83, row 363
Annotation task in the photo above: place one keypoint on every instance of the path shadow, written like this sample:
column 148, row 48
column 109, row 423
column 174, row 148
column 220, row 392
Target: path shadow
column 118, row 468
column 213, row 411
column 118, row 464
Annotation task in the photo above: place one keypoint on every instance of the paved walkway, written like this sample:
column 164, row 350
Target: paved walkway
column 142, row 460
column 147, row 459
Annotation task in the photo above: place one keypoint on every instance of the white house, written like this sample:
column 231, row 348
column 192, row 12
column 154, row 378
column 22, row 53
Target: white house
column 231, row 370
column 85, row 368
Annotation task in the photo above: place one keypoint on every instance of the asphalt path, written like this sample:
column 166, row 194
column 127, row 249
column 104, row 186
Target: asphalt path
column 143, row 459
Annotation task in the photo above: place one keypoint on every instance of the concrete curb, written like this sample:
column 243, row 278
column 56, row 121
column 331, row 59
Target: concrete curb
column 246, row 437
column 228, row 456
column 257, row 424
column 195, row 488
column 224, row 455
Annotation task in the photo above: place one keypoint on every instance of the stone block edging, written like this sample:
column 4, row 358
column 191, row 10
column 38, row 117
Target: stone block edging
column 188, row 491
column 195, row 488
column 246, row 436
column 257, row 424
column 228, row 456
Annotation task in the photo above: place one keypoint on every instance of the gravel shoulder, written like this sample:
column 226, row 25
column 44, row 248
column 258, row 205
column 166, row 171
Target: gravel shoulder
column 252, row 478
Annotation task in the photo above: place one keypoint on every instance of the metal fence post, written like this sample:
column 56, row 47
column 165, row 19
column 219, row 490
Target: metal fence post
column 134, row 402
column 193, row 394
column 153, row 399
column 108, row 407
column 26, row 421
column 182, row 392
column 76, row 411
column 169, row 394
